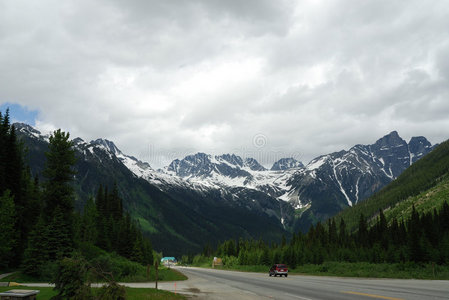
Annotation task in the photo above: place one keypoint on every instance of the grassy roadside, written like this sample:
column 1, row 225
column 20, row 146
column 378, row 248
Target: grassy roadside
column 369, row 270
column 359, row 269
column 141, row 276
column 131, row 293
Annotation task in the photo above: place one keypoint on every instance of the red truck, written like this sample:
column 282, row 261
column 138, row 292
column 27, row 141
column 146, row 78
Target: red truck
column 278, row 269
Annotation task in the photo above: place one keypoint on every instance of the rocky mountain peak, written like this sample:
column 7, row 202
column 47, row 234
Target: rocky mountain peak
column 78, row 141
column 25, row 128
column 30, row 131
column 232, row 159
column 286, row 163
column 254, row 165
column 418, row 147
column 391, row 139
column 198, row 164
column 202, row 165
column 418, row 144
column 110, row 146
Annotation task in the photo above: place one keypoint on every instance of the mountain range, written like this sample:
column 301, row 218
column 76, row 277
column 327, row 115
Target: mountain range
column 204, row 198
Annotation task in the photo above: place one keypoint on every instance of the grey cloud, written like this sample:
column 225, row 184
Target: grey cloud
column 182, row 76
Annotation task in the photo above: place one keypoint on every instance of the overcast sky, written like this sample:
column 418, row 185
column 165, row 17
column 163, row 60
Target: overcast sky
column 268, row 79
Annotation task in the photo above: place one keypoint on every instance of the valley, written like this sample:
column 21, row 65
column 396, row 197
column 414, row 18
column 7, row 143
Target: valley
column 236, row 193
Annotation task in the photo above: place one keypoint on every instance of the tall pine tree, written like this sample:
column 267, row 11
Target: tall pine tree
column 58, row 193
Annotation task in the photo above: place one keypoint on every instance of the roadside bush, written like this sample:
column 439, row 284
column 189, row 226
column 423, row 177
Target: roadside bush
column 70, row 279
column 117, row 266
column 200, row 260
column 112, row 291
column 230, row 261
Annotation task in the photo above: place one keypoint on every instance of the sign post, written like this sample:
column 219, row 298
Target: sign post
column 157, row 271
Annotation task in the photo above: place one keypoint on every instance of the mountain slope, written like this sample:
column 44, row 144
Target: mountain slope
column 177, row 222
column 424, row 202
column 429, row 175
column 332, row 182
column 291, row 194
column 317, row 191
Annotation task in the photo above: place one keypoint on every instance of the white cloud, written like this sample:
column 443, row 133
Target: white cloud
column 167, row 78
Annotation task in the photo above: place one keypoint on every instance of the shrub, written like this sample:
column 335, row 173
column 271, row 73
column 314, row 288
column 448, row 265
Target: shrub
column 112, row 291
column 70, row 279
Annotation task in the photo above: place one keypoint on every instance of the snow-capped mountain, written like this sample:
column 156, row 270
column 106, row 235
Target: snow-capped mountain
column 219, row 170
column 322, row 188
column 175, row 214
column 330, row 182
column 325, row 185
column 286, row 163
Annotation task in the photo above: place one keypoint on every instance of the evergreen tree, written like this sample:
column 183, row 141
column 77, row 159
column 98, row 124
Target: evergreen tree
column 2, row 155
column 7, row 228
column 14, row 178
column 115, row 204
column 265, row 258
column 138, row 251
column 333, row 236
column 89, row 226
column 284, row 241
column 100, row 201
column 147, row 252
column 70, row 280
column 242, row 258
column 342, row 232
column 362, row 234
column 36, row 255
column 414, row 237
column 58, row 194
column 59, row 236
column 59, row 174
column 444, row 217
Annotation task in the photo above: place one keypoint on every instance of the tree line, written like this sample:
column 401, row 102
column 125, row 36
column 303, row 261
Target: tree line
column 421, row 238
column 37, row 219
column 105, row 224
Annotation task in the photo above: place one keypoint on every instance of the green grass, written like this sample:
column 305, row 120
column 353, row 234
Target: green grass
column 142, row 294
column 369, row 270
column 45, row 292
column 164, row 275
column 131, row 293
column 21, row 278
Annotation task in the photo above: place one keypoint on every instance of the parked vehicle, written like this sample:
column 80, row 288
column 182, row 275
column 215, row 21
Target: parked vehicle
column 278, row 269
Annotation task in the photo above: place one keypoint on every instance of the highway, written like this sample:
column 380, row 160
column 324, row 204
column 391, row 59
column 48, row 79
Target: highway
column 216, row 284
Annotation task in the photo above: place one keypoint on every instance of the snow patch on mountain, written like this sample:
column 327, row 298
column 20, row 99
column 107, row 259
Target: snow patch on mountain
column 346, row 177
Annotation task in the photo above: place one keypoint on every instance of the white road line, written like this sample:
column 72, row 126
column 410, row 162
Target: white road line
column 295, row 296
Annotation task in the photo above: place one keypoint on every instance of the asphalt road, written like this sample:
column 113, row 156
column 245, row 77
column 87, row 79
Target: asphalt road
column 221, row 285
column 215, row 284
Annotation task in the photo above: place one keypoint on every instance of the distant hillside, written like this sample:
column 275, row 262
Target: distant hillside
column 424, row 184
column 425, row 202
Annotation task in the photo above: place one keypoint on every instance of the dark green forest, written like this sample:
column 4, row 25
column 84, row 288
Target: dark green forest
column 39, row 223
column 423, row 238
column 363, row 233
